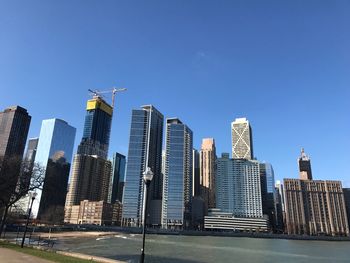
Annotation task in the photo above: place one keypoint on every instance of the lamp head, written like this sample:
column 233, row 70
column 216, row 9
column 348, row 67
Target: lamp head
column 148, row 175
column 34, row 195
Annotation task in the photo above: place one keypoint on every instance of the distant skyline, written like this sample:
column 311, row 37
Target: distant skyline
column 284, row 65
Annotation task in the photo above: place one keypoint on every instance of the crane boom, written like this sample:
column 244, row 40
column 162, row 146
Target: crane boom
column 99, row 93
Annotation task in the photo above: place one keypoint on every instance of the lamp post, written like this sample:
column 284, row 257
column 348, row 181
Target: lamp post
column 29, row 212
column 147, row 178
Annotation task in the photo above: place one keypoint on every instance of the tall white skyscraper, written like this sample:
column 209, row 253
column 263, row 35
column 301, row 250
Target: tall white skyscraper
column 177, row 184
column 242, row 141
column 238, row 189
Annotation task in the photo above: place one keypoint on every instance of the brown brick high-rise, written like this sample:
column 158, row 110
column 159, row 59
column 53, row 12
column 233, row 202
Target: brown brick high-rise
column 315, row 207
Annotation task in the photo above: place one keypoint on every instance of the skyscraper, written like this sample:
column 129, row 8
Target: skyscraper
column 280, row 207
column 14, row 126
column 31, row 151
column 91, row 170
column 267, row 180
column 238, row 188
column 177, row 185
column 242, row 141
column 346, row 192
column 304, row 163
column 29, row 159
column 315, row 207
column 54, row 154
column 195, row 173
column 97, row 128
column 279, row 186
column 224, row 183
column 207, row 172
column 117, row 178
column 145, row 150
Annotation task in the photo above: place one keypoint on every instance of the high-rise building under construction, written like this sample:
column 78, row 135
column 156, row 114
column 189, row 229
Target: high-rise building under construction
column 91, row 171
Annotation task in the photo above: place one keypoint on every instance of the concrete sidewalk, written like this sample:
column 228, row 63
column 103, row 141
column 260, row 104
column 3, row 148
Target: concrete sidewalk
column 12, row 256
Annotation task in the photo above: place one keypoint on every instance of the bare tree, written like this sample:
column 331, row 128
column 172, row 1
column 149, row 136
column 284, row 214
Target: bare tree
column 17, row 179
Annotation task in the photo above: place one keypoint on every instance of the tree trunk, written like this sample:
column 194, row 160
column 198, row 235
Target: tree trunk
column 3, row 219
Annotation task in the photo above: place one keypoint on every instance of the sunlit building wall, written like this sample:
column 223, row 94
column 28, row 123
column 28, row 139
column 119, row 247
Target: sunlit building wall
column 177, row 185
column 54, row 154
column 145, row 150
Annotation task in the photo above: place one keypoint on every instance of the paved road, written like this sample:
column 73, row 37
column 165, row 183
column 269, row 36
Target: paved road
column 12, row 256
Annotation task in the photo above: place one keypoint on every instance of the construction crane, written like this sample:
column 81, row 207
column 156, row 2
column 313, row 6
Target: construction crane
column 99, row 93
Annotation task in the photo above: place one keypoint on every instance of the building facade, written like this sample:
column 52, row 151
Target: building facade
column 94, row 185
column 96, row 213
column 242, row 139
column 207, row 172
column 54, row 154
column 97, row 128
column 268, row 192
column 32, row 147
column 14, row 126
column 29, row 158
column 346, row 192
column 91, row 171
column 196, row 173
column 315, row 207
column 145, row 150
column 117, row 179
column 279, row 204
column 177, row 186
column 279, row 186
column 218, row 220
column 238, row 187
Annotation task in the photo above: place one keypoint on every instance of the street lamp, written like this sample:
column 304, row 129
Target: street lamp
column 29, row 212
column 147, row 178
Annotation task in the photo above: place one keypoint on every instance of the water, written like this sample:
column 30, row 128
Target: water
column 191, row 249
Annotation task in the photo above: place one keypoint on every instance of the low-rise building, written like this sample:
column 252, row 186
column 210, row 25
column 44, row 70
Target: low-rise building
column 117, row 213
column 217, row 220
column 95, row 212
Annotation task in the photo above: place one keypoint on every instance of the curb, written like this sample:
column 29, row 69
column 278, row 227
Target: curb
column 89, row 257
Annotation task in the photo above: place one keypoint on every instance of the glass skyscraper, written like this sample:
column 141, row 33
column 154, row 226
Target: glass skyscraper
column 29, row 159
column 97, row 128
column 268, row 192
column 91, row 170
column 177, row 185
column 117, row 178
column 54, row 153
column 145, row 150
column 31, row 150
column 195, row 174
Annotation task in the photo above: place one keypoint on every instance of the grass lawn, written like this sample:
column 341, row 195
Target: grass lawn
column 43, row 254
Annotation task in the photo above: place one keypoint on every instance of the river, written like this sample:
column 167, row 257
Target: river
column 191, row 249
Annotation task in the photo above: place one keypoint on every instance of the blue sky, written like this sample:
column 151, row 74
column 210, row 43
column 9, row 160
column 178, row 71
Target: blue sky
column 285, row 65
